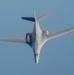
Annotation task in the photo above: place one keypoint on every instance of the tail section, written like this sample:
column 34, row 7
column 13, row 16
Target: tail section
column 29, row 18
column 42, row 17
column 32, row 19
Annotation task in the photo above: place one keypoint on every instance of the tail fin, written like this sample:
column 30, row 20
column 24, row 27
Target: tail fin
column 33, row 18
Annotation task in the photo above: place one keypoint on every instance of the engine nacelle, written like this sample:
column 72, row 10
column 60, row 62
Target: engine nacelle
column 28, row 37
column 46, row 32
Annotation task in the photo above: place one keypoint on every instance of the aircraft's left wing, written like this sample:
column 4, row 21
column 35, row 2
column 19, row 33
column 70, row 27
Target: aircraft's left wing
column 60, row 33
column 17, row 40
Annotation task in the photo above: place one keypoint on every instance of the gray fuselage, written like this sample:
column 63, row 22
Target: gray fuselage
column 37, row 39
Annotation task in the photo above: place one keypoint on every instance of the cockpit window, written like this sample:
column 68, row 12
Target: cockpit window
column 36, row 54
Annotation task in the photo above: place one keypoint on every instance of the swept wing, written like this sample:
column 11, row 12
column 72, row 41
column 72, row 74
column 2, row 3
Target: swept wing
column 17, row 40
column 60, row 33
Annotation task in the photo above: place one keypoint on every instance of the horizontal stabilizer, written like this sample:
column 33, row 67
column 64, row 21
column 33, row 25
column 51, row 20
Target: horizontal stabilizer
column 42, row 17
column 29, row 18
column 35, row 18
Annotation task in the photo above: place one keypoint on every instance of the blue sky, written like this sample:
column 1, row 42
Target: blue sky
column 57, row 55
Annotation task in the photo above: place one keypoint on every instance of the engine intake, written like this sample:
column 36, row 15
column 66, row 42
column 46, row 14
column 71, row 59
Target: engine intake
column 46, row 32
column 28, row 37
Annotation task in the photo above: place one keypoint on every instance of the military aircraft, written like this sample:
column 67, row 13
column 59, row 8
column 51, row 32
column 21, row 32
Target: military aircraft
column 37, row 38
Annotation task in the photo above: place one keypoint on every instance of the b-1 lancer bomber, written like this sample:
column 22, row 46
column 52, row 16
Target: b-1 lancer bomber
column 37, row 38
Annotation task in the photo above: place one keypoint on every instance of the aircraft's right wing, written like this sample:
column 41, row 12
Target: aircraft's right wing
column 57, row 34
column 17, row 40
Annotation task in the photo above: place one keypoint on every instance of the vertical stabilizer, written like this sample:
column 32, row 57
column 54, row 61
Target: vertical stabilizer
column 33, row 19
column 34, row 14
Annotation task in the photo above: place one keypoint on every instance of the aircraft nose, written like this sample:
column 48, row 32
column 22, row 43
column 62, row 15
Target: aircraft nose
column 36, row 58
column 37, row 61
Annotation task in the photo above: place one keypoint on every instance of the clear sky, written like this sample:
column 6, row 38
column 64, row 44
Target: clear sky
column 57, row 55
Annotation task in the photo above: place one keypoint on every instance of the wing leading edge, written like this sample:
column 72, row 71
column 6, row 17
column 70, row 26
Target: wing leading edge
column 60, row 33
column 17, row 40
